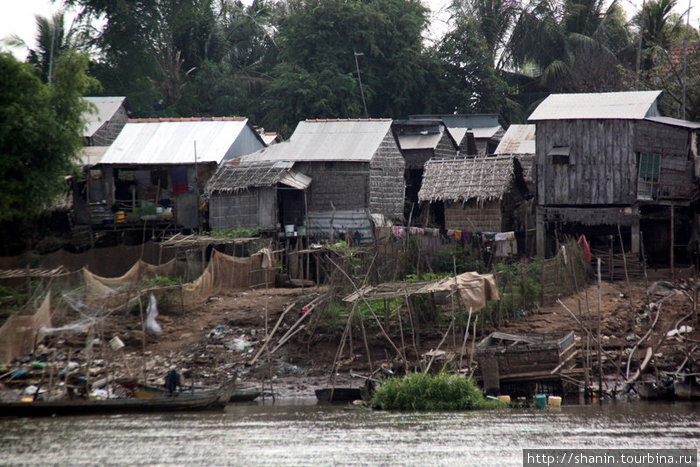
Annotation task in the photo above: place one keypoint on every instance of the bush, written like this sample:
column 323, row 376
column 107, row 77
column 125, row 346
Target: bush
column 419, row 391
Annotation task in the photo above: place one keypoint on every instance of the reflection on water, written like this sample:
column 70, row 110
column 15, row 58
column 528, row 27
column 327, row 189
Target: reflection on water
column 300, row 433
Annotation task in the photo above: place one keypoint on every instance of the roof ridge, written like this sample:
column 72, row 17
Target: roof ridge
column 186, row 119
column 327, row 120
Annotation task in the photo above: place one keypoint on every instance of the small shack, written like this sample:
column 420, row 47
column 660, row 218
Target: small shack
column 522, row 365
column 104, row 120
column 257, row 194
column 479, row 194
column 519, row 140
column 357, row 172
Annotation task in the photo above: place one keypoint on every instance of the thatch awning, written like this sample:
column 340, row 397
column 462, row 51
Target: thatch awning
column 189, row 241
column 483, row 178
column 232, row 177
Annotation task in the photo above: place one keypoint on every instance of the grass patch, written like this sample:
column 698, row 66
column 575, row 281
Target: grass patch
column 419, row 391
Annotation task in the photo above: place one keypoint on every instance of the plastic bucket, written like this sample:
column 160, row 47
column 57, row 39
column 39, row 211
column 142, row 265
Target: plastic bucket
column 554, row 401
column 116, row 343
column 289, row 229
column 301, row 230
column 540, row 401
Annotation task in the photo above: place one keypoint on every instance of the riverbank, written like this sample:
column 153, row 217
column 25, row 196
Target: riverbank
column 210, row 341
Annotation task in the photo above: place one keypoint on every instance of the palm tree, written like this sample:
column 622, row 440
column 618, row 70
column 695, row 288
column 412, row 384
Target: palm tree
column 52, row 39
column 561, row 39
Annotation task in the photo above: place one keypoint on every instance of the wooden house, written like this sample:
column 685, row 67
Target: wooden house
column 420, row 141
column 256, row 194
column 159, row 167
column 474, row 133
column 478, row 194
column 356, row 171
column 608, row 160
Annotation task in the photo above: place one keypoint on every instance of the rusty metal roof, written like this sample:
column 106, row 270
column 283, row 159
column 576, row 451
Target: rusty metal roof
column 518, row 139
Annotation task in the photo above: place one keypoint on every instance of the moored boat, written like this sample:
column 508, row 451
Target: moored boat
column 212, row 400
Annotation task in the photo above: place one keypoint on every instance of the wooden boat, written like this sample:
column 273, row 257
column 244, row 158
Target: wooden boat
column 212, row 400
column 651, row 390
column 143, row 391
column 687, row 388
column 338, row 394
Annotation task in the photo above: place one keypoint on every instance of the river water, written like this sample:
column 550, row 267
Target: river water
column 298, row 432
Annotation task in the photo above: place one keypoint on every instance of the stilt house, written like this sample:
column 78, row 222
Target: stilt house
column 609, row 160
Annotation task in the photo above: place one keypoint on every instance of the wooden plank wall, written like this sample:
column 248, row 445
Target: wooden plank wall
column 602, row 165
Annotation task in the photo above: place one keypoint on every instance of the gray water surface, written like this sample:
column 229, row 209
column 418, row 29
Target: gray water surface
column 298, row 432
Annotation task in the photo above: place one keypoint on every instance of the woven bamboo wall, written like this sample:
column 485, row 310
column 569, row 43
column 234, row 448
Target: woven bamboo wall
column 345, row 184
column 386, row 182
column 485, row 218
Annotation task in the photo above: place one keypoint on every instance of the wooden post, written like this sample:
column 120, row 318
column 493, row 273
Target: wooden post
column 600, row 357
column 634, row 237
column 672, row 228
column 540, row 231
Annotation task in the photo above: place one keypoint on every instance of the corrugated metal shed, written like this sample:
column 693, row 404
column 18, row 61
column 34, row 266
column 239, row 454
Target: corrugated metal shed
column 105, row 108
column 462, row 120
column 632, row 105
column 172, row 141
column 329, row 140
column 518, row 139
column 675, row 122
column 479, row 133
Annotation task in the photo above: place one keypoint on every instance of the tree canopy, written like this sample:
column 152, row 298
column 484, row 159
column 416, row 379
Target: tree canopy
column 40, row 131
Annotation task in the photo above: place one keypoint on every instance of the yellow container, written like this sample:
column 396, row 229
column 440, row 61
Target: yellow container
column 554, row 401
column 504, row 399
column 27, row 399
column 120, row 217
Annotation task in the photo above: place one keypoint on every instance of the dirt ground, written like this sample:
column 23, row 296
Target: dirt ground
column 210, row 341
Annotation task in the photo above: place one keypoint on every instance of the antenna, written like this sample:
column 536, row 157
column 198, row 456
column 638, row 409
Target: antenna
column 359, row 78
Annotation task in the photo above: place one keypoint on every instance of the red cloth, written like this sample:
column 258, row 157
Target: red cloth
column 584, row 243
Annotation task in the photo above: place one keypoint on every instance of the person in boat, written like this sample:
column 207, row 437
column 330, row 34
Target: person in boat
column 172, row 381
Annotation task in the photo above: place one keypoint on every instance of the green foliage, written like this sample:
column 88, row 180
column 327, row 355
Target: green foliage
column 464, row 260
column 40, row 132
column 419, row 391
column 11, row 297
column 235, row 233
column 159, row 281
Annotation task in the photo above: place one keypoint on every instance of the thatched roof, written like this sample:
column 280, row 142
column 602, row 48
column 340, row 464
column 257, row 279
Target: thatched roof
column 232, row 177
column 482, row 178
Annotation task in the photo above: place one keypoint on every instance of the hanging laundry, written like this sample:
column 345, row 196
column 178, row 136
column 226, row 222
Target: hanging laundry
column 399, row 231
column 586, row 247
column 458, row 235
column 451, row 233
column 467, row 235
column 178, row 177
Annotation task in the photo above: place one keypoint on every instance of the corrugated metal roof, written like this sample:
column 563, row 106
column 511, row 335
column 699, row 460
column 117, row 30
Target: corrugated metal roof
column 419, row 141
column 518, row 139
column 461, row 120
column 632, row 105
column 329, row 140
column 479, row 133
column 171, row 141
column 234, row 176
column 675, row 122
column 91, row 155
column 105, row 108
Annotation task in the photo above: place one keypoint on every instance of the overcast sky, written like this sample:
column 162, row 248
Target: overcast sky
column 17, row 16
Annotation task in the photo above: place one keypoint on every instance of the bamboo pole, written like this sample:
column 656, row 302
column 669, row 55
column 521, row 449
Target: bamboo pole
column 466, row 335
column 444, row 337
column 600, row 358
